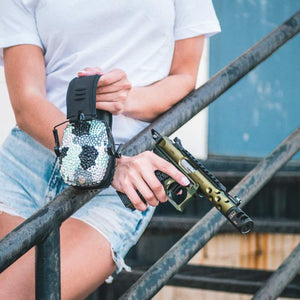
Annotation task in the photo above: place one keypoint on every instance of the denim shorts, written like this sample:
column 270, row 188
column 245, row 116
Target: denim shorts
column 29, row 178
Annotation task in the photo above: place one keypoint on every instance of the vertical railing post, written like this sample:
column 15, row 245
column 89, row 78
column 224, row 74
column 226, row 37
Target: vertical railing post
column 47, row 267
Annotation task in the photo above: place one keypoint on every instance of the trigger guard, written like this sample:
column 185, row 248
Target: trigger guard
column 177, row 192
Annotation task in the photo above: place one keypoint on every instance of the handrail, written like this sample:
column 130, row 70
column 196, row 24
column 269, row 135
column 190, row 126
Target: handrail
column 59, row 209
column 40, row 224
column 158, row 275
column 40, row 227
column 281, row 277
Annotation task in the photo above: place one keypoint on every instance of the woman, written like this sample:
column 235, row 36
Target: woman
column 148, row 54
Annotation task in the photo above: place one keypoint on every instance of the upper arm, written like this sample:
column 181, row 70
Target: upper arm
column 25, row 75
column 187, row 55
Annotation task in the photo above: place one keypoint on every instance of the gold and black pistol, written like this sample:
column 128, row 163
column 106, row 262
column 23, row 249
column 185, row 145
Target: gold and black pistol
column 202, row 183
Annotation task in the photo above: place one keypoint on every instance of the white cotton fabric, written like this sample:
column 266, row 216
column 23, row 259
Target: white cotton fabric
column 136, row 36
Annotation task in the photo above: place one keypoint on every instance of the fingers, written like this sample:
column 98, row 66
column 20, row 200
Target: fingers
column 112, row 81
column 140, row 178
column 112, row 89
column 135, row 199
column 113, row 102
column 145, row 181
column 115, row 77
column 157, row 193
column 112, row 97
column 151, row 194
column 166, row 167
column 157, row 190
column 138, row 174
column 135, row 174
column 115, row 108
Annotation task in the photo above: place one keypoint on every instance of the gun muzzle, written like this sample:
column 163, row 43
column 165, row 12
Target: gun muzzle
column 239, row 219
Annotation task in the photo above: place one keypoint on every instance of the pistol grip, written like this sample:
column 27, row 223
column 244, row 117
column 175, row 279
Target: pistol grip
column 127, row 203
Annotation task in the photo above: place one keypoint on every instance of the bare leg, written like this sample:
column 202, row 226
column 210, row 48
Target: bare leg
column 85, row 257
column 16, row 282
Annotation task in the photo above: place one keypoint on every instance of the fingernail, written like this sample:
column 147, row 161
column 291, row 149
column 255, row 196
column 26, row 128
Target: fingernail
column 185, row 181
column 82, row 72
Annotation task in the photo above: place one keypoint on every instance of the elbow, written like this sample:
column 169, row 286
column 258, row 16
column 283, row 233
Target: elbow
column 24, row 106
column 22, row 116
column 20, row 119
column 187, row 81
column 190, row 82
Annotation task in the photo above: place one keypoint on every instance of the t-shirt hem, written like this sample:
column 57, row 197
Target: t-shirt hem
column 207, row 29
column 18, row 40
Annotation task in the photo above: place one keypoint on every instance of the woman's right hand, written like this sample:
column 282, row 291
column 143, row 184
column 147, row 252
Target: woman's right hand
column 137, row 174
column 112, row 89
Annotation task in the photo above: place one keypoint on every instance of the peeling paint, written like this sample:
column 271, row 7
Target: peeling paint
column 246, row 137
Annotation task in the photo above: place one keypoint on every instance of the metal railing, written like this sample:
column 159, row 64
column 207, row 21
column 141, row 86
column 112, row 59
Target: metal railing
column 42, row 228
column 159, row 274
column 281, row 277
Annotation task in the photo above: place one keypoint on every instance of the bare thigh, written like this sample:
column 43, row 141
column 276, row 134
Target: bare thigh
column 86, row 261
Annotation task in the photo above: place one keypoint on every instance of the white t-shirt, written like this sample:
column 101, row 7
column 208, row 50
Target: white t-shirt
column 136, row 36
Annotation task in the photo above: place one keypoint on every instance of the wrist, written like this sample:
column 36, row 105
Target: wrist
column 131, row 104
column 140, row 105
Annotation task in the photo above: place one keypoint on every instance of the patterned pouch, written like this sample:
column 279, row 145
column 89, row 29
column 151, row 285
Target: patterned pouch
column 87, row 153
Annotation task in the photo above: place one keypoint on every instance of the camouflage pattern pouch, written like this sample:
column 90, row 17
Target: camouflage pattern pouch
column 87, row 153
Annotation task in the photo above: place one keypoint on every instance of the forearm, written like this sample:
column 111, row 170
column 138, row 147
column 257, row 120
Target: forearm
column 114, row 92
column 37, row 117
column 146, row 103
column 26, row 81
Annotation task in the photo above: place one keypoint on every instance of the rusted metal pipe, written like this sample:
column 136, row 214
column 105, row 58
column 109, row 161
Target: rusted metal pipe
column 281, row 277
column 39, row 225
column 15, row 245
column 167, row 266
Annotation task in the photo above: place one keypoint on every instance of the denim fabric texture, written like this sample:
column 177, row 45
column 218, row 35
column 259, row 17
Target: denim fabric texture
column 30, row 178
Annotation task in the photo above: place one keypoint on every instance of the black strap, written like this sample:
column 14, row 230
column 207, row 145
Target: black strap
column 105, row 116
column 81, row 100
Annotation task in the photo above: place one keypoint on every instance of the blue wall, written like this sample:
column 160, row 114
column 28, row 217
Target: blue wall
column 256, row 114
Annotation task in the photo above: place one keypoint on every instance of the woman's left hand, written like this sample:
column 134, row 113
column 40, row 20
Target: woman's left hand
column 112, row 89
